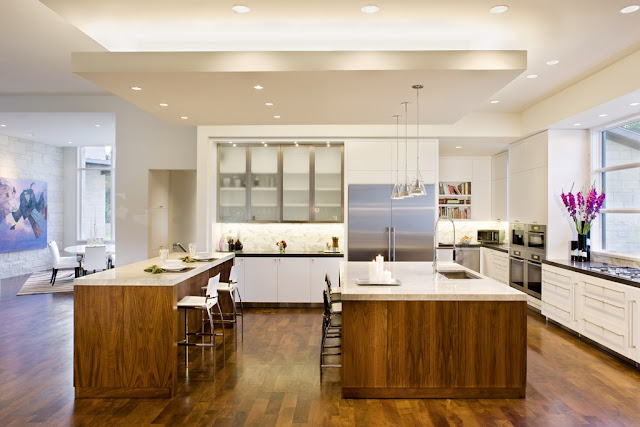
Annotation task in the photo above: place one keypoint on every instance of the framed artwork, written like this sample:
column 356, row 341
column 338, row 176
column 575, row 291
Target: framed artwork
column 23, row 214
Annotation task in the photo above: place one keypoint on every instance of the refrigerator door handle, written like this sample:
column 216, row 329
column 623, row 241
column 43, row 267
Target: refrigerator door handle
column 388, row 230
column 393, row 241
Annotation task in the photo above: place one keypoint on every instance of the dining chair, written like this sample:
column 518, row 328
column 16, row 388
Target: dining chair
column 59, row 262
column 95, row 258
column 203, row 303
column 111, row 260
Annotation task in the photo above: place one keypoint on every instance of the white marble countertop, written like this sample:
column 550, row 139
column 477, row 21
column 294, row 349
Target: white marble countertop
column 134, row 274
column 419, row 283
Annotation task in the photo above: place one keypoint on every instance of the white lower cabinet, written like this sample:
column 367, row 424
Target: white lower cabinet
column 239, row 265
column 286, row 279
column 602, row 310
column 495, row 264
column 261, row 279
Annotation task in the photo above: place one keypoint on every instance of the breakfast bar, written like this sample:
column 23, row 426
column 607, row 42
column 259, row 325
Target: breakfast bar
column 432, row 336
column 126, row 327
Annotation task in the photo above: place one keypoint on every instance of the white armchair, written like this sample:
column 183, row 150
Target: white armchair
column 59, row 262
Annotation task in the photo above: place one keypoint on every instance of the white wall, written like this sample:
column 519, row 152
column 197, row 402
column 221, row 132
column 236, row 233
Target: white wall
column 22, row 159
column 143, row 142
column 182, row 207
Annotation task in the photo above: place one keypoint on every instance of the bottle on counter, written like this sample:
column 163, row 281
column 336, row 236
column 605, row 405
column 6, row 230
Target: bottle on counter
column 232, row 246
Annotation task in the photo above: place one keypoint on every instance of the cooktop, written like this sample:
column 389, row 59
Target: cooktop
column 631, row 273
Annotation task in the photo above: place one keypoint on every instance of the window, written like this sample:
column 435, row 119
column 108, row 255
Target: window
column 96, row 175
column 618, row 171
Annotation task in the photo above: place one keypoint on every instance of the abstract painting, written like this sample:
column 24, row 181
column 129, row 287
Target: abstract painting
column 23, row 214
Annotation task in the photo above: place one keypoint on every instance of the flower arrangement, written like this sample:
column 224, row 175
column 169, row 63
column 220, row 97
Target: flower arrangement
column 583, row 210
column 282, row 245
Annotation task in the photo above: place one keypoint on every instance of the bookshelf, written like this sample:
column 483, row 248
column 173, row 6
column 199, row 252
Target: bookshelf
column 454, row 200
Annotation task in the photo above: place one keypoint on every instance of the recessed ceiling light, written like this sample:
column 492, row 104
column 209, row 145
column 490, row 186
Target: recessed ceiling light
column 633, row 104
column 553, row 62
column 266, row 145
column 69, row 142
column 629, row 9
column 276, row 117
column 29, row 134
column 97, row 126
column 3, row 126
column 499, row 9
column 602, row 115
column 234, row 145
column 136, row 88
column 263, row 142
column 532, row 76
column 258, row 87
column 577, row 124
column 495, row 101
column 370, row 8
column 457, row 147
column 328, row 144
column 241, row 9
column 268, row 104
column 296, row 144
column 230, row 142
column 164, row 105
column 184, row 117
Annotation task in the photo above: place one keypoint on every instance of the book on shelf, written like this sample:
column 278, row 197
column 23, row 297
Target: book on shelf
column 455, row 213
column 464, row 188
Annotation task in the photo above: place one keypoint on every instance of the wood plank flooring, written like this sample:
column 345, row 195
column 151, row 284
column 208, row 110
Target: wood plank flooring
column 272, row 378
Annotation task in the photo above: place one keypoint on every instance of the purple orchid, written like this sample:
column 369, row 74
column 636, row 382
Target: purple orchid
column 583, row 210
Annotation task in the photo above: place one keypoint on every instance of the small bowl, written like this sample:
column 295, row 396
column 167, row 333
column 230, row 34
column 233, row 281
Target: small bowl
column 173, row 263
column 465, row 241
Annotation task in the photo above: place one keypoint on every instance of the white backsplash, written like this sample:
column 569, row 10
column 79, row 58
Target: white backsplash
column 263, row 237
column 468, row 228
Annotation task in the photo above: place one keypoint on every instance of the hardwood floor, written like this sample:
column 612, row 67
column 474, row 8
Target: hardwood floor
column 273, row 379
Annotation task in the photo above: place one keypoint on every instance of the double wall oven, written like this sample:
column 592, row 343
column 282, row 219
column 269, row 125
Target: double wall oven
column 525, row 258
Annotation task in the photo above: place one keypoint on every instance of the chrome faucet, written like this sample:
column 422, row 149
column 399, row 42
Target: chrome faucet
column 435, row 242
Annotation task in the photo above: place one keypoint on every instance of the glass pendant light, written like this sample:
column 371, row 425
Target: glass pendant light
column 406, row 187
column 397, row 189
column 417, row 188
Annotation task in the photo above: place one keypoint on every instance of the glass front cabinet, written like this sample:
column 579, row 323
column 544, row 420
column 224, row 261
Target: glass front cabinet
column 280, row 183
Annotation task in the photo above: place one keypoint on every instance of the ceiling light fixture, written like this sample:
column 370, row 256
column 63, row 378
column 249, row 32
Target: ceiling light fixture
column 136, row 88
column 532, row 76
column 328, row 144
column 418, row 186
column 296, row 144
column 498, row 9
column 97, row 126
column 577, row 124
column 230, row 142
column 397, row 188
column 184, row 117
column 370, row 8
column 234, row 145
column 258, row 87
column 69, row 142
column 495, row 101
column 633, row 104
column 241, row 9
column 268, row 104
column 553, row 62
column 602, row 115
column 629, row 9
column 276, row 117
column 406, row 189
column 164, row 105
column 266, row 145
column 457, row 147
column 3, row 126
column 263, row 142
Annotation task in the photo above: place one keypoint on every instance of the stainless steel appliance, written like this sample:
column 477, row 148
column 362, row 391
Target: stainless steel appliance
column 490, row 236
column 525, row 258
column 469, row 257
column 400, row 230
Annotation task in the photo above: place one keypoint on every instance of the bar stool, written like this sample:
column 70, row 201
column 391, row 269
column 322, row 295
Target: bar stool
column 203, row 303
column 232, row 288
column 331, row 328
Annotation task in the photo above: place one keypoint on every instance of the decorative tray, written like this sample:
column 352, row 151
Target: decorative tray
column 365, row 282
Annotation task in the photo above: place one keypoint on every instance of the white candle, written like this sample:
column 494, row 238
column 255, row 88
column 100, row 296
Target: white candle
column 373, row 272
column 386, row 277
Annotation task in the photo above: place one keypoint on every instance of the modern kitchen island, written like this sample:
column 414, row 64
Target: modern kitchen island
column 432, row 337
column 127, row 325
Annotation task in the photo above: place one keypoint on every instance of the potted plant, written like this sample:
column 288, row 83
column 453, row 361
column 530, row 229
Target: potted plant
column 583, row 208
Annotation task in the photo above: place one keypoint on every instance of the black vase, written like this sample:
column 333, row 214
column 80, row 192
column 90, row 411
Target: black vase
column 583, row 248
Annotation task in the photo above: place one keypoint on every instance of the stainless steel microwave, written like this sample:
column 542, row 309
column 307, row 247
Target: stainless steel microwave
column 490, row 236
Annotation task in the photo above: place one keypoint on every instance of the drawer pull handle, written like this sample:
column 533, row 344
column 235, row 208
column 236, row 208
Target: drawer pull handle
column 631, row 329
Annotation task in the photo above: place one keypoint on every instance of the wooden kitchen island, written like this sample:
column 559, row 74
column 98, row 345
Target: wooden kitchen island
column 432, row 337
column 127, row 325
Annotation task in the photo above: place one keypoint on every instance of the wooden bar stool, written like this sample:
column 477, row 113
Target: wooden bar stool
column 203, row 303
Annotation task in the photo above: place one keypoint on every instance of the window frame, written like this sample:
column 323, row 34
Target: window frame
column 597, row 172
column 79, row 171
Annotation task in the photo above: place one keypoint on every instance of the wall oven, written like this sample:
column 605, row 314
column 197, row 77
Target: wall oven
column 518, row 235
column 525, row 258
column 536, row 238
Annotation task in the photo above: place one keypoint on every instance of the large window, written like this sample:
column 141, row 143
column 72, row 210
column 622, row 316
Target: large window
column 95, row 181
column 618, row 171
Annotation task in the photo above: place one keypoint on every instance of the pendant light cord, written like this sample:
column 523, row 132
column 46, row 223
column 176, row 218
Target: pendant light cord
column 406, row 144
column 397, row 116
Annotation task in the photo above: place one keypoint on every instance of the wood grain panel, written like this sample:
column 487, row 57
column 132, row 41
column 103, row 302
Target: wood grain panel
column 364, row 342
column 150, row 352
column 493, row 346
column 422, row 343
column 98, row 330
column 434, row 392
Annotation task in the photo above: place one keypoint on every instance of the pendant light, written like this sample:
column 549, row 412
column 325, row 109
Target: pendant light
column 406, row 188
column 417, row 188
column 397, row 189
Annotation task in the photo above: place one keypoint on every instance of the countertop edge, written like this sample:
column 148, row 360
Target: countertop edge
column 241, row 254
column 579, row 267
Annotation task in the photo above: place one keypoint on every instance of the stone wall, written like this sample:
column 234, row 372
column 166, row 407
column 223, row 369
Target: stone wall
column 22, row 159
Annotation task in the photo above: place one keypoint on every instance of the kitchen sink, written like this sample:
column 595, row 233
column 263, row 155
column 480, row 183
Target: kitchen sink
column 457, row 275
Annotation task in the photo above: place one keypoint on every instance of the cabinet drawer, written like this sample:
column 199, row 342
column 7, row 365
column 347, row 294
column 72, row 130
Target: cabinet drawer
column 605, row 336
column 604, row 309
column 597, row 289
column 559, row 295
column 559, row 314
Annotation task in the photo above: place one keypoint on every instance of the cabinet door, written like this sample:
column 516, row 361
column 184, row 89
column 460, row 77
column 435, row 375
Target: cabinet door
column 370, row 156
column 264, row 183
column 499, row 166
column 499, row 199
column 536, row 181
column 486, row 262
column 537, row 150
column 455, row 169
column 261, row 279
column 320, row 266
column 517, row 157
column 295, row 183
column 294, row 279
column 517, row 197
column 232, row 185
column 328, row 195
column 239, row 265
column 481, row 200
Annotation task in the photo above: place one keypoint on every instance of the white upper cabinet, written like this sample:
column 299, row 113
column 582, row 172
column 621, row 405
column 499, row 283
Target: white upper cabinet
column 371, row 156
column 456, row 169
column 528, row 180
column 499, row 164
column 481, row 169
column 518, row 157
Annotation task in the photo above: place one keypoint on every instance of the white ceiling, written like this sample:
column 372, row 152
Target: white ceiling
column 60, row 128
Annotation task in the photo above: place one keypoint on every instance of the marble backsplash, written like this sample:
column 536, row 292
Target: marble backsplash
column 468, row 228
column 613, row 259
column 299, row 237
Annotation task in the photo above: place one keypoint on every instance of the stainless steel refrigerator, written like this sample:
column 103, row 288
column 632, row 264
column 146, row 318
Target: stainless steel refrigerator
column 400, row 230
